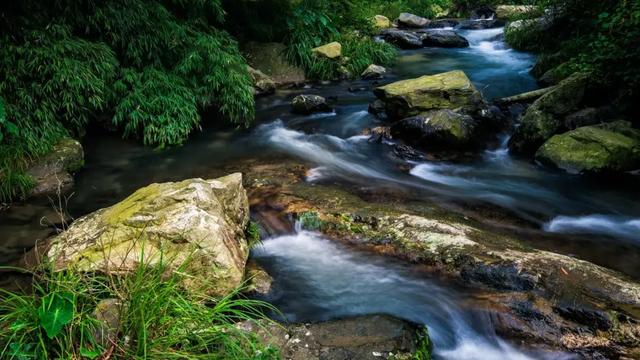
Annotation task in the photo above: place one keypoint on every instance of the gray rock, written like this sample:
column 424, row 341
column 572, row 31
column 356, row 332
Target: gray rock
column 402, row 38
column 108, row 314
column 444, row 38
column 374, row 72
column 52, row 172
column 262, row 83
column 410, row 20
column 309, row 104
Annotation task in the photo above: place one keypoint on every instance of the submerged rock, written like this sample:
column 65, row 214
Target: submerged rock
column 613, row 147
column 381, row 22
column 330, row 51
column 545, row 117
column 402, row 38
column 308, row 104
column 262, row 83
column 444, row 38
column 374, row 72
column 441, row 129
column 53, row 172
column 360, row 338
column 195, row 225
column 410, row 20
column 450, row 90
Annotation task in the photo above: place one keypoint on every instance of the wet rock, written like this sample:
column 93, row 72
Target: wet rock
column 374, row 72
column 309, row 104
column 410, row 20
column 483, row 13
column 378, row 134
column 262, row 83
column 480, row 24
column 381, row 22
column 202, row 221
column 259, row 281
column 505, row 276
column 53, row 172
column 450, row 90
column 330, row 51
column 444, row 38
column 377, row 108
column 408, row 153
column 441, row 129
column 595, row 319
column 613, row 147
column 506, row 12
column 443, row 23
column 361, row 338
column 545, row 116
column 402, row 38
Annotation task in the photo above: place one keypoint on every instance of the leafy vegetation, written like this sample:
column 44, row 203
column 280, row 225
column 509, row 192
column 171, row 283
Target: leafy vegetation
column 310, row 220
column 158, row 320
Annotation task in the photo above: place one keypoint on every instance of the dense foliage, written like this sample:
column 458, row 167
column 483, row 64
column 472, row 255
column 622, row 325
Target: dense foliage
column 149, row 66
column 599, row 37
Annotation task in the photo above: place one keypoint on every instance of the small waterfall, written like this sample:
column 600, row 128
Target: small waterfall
column 611, row 225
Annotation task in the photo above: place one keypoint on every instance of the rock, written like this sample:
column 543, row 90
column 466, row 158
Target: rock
column 402, row 38
column 440, row 129
column 201, row 221
column 552, row 77
column 483, row 13
column 262, row 83
column 330, row 51
column 408, row 153
column 52, row 172
column 361, row 338
column 613, row 147
column 374, row 72
column 444, row 38
column 450, row 90
column 544, row 118
column 309, row 104
column 269, row 58
column 587, row 116
column 377, row 108
column 108, row 313
column 506, row 12
column 381, row 22
column 410, row 20
column 443, row 23
column 596, row 319
column 480, row 24
column 378, row 134
column 258, row 279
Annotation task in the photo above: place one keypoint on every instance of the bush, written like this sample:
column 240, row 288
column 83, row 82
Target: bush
column 158, row 320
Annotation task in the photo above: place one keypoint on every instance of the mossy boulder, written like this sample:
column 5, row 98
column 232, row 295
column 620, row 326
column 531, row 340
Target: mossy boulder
column 195, row 227
column 381, row 22
column 506, row 12
column 330, row 51
column 612, row 147
column 441, row 129
column 545, row 117
column 53, row 172
column 262, row 83
column 450, row 90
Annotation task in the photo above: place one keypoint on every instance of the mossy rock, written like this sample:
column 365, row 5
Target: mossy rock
column 195, row 227
column 52, row 172
column 450, row 90
column 442, row 129
column 613, row 147
column 381, row 22
column 330, row 51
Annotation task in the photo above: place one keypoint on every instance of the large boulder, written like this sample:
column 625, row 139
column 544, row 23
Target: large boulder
column 195, row 226
column 506, row 12
column 270, row 59
column 402, row 38
column 612, row 147
column 440, row 130
column 381, row 22
column 450, row 90
column 262, row 83
column 443, row 38
column 53, row 172
column 545, row 117
column 330, row 51
column 410, row 20
column 309, row 104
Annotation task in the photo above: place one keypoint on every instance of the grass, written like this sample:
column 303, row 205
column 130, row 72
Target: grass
column 158, row 320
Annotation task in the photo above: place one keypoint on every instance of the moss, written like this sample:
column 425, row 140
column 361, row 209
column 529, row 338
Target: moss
column 133, row 204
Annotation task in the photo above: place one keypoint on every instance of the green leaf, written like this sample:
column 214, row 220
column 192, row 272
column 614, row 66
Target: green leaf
column 90, row 354
column 55, row 312
column 3, row 114
column 20, row 351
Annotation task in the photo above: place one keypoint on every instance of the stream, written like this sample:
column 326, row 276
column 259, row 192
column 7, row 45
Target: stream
column 316, row 279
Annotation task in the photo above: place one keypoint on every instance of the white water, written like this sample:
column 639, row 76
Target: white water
column 616, row 226
column 316, row 279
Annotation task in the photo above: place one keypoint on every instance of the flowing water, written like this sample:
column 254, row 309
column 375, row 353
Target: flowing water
column 590, row 218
